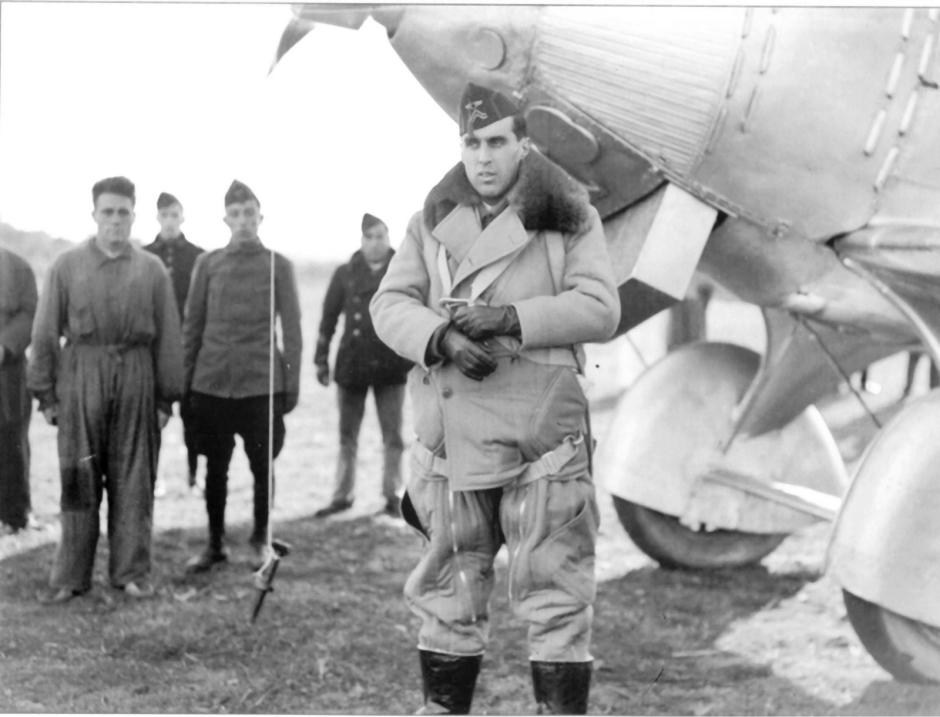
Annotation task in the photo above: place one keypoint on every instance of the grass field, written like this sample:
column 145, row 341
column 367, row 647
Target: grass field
column 335, row 636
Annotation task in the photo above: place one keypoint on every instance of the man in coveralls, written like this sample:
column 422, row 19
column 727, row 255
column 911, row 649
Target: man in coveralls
column 498, row 281
column 179, row 257
column 17, row 307
column 109, row 390
column 226, row 336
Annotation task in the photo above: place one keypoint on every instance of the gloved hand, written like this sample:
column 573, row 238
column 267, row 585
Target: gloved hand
column 323, row 374
column 471, row 359
column 482, row 322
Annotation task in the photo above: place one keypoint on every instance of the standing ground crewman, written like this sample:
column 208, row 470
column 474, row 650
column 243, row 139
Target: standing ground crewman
column 109, row 390
column 498, row 281
column 226, row 354
column 17, row 308
column 179, row 257
column 362, row 361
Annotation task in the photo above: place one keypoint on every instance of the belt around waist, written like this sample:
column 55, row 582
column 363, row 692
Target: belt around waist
column 111, row 348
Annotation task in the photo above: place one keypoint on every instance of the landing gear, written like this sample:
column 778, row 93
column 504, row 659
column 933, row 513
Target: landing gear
column 689, row 489
column 908, row 649
column 673, row 545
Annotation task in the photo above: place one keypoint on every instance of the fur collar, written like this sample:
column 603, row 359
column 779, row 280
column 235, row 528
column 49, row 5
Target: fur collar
column 544, row 196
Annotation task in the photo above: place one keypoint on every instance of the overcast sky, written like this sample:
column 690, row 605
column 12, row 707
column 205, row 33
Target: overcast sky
column 178, row 98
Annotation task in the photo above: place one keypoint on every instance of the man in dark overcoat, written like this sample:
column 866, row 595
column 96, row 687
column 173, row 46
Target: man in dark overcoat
column 17, row 307
column 109, row 390
column 362, row 361
column 178, row 255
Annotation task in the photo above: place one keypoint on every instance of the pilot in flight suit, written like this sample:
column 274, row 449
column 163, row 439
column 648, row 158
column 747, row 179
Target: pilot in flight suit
column 501, row 452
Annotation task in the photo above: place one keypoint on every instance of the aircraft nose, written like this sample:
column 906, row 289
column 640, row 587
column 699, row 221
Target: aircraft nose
column 306, row 17
column 389, row 16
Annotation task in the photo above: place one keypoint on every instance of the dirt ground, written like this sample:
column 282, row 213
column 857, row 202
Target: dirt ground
column 335, row 636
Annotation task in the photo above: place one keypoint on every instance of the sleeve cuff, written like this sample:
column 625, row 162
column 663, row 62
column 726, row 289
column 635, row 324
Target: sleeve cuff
column 434, row 353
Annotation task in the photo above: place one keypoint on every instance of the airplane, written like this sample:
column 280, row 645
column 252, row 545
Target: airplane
column 791, row 156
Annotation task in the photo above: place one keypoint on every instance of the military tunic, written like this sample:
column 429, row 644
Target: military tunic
column 122, row 359
column 179, row 257
column 17, row 307
column 227, row 342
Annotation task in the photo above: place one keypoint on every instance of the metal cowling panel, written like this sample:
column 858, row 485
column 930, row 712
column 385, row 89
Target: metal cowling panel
column 654, row 75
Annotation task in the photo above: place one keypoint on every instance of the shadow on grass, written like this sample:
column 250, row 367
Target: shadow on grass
column 335, row 636
column 902, row 699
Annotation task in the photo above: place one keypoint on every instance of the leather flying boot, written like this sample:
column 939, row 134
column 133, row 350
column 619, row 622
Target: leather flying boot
column 561, row 688
column 448, row 682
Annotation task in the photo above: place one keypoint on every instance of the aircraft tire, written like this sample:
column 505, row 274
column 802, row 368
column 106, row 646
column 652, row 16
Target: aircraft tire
column 674, row 546
column 908, row 649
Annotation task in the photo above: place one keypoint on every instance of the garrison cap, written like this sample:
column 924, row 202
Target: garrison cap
column 481, row 106
column 121, row 186
column 239, row 193
column 369, row 221
column 167, row 200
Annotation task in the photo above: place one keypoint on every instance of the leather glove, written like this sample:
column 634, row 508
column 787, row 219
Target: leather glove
column 471, row 359
column 482, row 322
column 323, row 374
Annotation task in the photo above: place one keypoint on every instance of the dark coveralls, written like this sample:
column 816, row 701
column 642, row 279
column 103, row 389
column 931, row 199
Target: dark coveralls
column 362, row 361
column 121, row 362
column 179, row 257
column 17, row 306
column 226, row 344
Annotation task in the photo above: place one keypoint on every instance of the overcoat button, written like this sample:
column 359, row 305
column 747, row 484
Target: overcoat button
column 447, row 393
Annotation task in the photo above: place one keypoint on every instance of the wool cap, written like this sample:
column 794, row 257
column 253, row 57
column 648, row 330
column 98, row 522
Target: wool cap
column 481, row 106
column 369, row 221
column 167, row 200
column 239, row 193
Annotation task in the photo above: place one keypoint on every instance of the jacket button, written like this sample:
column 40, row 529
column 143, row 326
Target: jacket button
column 357, row 316
column 447, row 393
column 356, row 332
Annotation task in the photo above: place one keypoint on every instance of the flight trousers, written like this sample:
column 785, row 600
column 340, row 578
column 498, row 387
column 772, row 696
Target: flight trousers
column 550, row 528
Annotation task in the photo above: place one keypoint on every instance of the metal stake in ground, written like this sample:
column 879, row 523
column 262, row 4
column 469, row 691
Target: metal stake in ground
column 275, row 549
column 264, row 577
